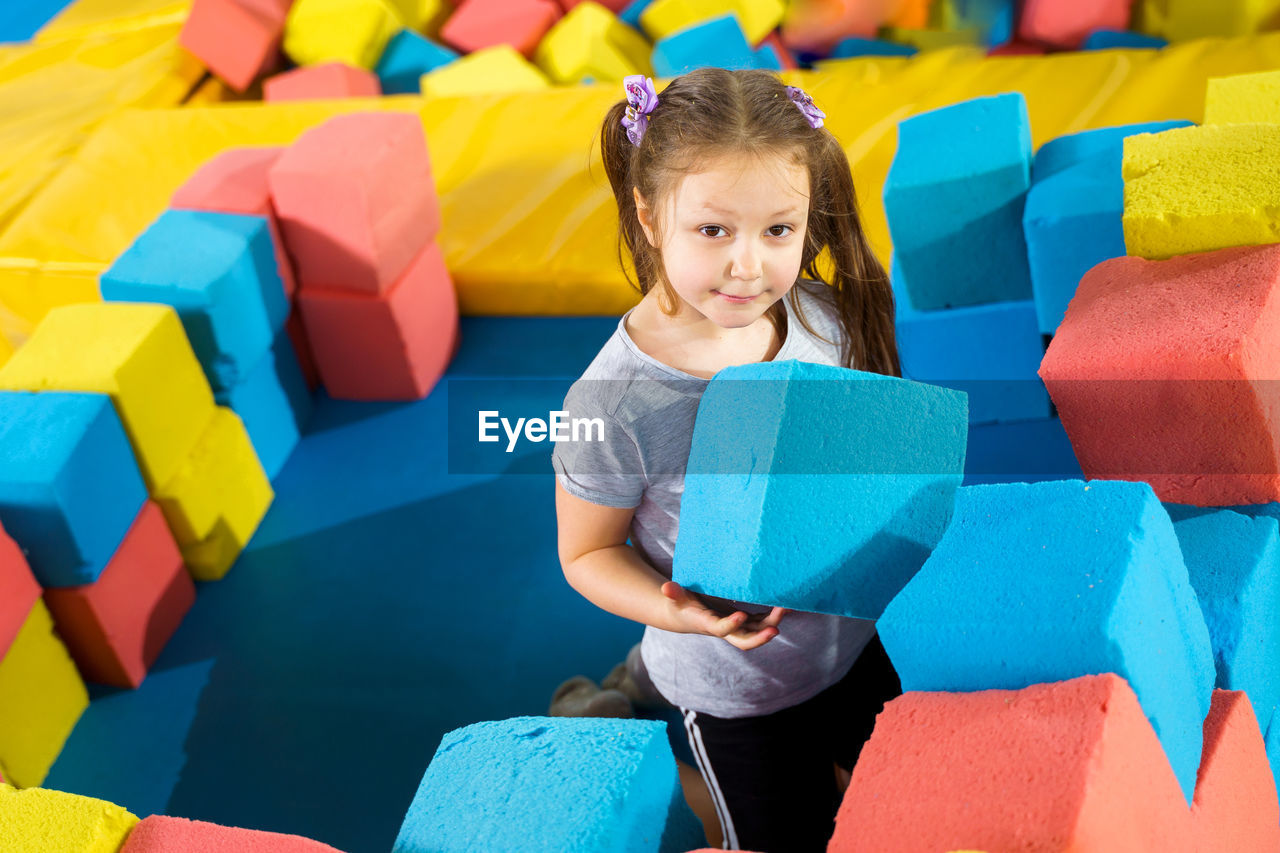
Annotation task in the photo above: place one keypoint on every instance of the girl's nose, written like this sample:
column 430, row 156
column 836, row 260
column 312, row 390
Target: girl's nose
column 746, row 261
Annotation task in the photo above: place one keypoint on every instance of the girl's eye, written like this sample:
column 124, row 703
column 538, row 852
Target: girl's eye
column 704, row 228
column 784, row 233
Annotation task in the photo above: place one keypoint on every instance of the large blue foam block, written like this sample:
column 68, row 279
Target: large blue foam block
column 1234, row 565
column 69, row 483
column 274, row 402
column 1064, row 151
column 1108, row 39
column 218, row 271
column 406, row 58
column 815, row 487
column 714, row 43
column 954, row 199
column 1050, row 581
column 551, row 784
column 847, row 48
column 1020, row 452
column 993, row 19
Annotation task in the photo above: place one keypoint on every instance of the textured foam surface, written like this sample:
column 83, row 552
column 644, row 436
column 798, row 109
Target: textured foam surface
column 350, row 31
column 954, row 199
column 408, row 56
column 1149, row 356
column 356, row 200
column 547, row 783
column 326, row 80
column 590, row 42
column 69, row 484
column 393, row 346
column 235, row 39
column 1064, row 151
column 1233, row 562
column 116, row 626
column 717, row 42
column 274, row 403
column 1071, row 765
column 1088, row 578
column 1243, row 98
column 162, row 834
column 1235, row 805
column 42, row 821
column 18, row 590
column 1194, row 189
column 518, row 23
column 219, row 272
column 498, row 69
column 830, row 514
column 1067, row 23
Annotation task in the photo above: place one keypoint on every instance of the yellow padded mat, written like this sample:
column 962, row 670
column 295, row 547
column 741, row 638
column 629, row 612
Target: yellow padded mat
column 528, row 219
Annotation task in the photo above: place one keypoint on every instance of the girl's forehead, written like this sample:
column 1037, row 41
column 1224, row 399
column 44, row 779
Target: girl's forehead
column 745, row 179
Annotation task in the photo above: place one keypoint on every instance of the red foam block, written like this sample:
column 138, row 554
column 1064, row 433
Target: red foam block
column 817, row 26
column 478, row 24
column 356, row 200
column 235, row 181
column 18, row 590
column 1067, row 23
column 327, row 80
column 1073, row 765
column 1235, row 806
column 116, row 626
column 1017, row 48
column 393, row 346
column 235, row 39
column 297, row 332
column 1164, row 371
column 160, row 834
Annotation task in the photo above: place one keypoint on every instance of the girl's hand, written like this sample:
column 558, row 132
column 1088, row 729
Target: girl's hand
column 738, row 628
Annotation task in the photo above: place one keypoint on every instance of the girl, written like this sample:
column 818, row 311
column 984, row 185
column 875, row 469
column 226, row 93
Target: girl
column 728, row 190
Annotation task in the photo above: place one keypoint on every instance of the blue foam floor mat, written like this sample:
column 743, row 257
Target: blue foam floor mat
column 382, row 603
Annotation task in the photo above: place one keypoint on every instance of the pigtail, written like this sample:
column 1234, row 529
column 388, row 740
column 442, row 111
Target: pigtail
column 619, row 155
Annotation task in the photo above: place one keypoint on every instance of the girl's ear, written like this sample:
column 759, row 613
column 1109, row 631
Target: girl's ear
column 643, row 214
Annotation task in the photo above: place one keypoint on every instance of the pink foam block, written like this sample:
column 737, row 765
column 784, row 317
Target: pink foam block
column 160, row 834
column 1017, row 48
column 356, row 200
column 235, row 181
column 328, row 80
column 393, row 346
column 235, row 39
column 1072, row 765
column 1164, row 371
column 1067, row 23
column 615, row 6
column 478, row 24
column 18, row 590
column 1235, row 806
column 116, row 626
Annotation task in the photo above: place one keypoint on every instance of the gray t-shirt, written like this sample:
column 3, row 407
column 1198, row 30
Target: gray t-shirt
column 648, row 411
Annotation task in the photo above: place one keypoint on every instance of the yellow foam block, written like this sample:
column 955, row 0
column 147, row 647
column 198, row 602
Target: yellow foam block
column 1148, row 16
column 499, row 69
column 92, row 17
column 37, row 820
column 593, row 42
column 217, row 497
column 425, row 16
column 757, row 17
column 1243, row 99
column 1192, row 19
column 136, row 352
column 1194, row 189
column 351, row 31
column 933, row 39
column 6, row 348
column 41, row 698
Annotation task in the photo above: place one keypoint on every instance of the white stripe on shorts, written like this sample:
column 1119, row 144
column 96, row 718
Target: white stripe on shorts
column 700, row 754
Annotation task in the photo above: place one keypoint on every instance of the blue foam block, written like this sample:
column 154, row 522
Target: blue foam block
column 848, row 48
column 1106, row 39
column 1272, row 741
column 1234, row 565
column 1050, row 581
column 549, row 783
column 993, row 19
column 767, row 58
column 954, row 199
column 218, row 270
column 1020, row 452
column 1057, row 154
column 406, row 58
column 69, row 483
column 714, row 43
column 815, row 487
column 274, row 402
column 634, row 10
column 991, row 352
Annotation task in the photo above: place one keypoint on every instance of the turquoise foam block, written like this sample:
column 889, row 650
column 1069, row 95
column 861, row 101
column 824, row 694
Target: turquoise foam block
column 993, row 19
column 631, row 14
column 1073, row 217
column 991, row 352
column 954, row 199
column 1107, row 39
column 218, row 271
column 69, row 483
column 715, row 43
column 817, row 488
column 1050, row 581
column 547, row 784
column 1020, row 452
column 1234, row 565
column 848, row 48
column 274, row 402
column 406, row 58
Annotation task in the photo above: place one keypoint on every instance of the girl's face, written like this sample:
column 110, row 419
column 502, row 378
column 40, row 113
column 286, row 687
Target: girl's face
column 733, row 235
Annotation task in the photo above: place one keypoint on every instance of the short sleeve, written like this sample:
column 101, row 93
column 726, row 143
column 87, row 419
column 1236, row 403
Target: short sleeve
column 597, row 459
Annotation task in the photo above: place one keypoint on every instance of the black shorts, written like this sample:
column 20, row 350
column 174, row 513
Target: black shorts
column 771, row 777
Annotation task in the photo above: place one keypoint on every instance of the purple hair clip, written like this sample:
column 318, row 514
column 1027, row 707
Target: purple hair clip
column 806, row 106
column 641, row 99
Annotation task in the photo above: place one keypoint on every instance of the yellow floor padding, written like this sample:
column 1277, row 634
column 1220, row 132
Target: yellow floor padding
column 41, row 698
column 528, row 217
column 88, row 17
column 37, row 820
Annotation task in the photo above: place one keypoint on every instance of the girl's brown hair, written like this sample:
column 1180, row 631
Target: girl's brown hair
column 712, row 112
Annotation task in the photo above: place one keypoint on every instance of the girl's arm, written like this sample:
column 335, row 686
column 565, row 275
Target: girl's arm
column 599, row 564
